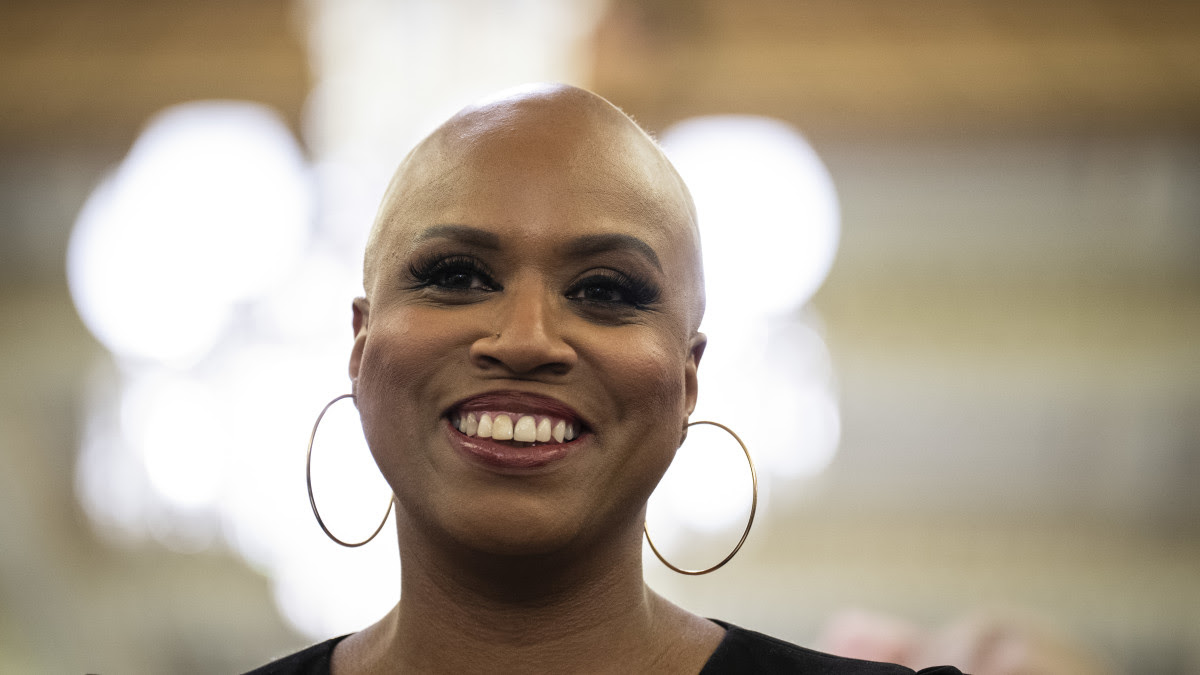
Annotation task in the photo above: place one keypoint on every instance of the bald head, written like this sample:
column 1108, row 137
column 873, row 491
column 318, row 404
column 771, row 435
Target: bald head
column 572, row 137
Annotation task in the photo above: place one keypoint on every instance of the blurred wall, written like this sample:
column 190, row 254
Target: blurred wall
column 1011, row 316
column 79, row 81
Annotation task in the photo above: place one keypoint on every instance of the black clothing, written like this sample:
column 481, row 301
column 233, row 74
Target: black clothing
column 316, row 660
column 746, row 652
column 741, row 652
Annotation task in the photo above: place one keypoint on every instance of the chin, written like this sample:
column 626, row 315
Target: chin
column 516, row 528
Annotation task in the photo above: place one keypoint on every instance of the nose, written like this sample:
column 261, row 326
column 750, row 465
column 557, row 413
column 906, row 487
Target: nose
column 526, row 340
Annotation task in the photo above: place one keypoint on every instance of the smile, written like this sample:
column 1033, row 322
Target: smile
column 515, row 430
column 500, row 426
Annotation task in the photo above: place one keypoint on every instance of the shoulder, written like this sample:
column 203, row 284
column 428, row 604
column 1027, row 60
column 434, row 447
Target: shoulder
column 746, row 651
column 312, row 661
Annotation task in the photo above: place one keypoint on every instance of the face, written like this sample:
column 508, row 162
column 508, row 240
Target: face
column 546, row 276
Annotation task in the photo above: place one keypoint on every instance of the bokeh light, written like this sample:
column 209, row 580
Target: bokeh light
column 769, row 223
column 210, row 206
column 768, row 211
column 198, row 265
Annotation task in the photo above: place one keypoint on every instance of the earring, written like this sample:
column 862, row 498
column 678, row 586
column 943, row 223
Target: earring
column 749, row 521
column 308, row 477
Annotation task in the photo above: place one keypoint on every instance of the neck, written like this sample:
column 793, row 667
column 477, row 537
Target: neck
column 463, row 611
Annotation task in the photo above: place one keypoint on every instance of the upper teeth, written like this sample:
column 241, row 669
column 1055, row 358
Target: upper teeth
column 526, row 429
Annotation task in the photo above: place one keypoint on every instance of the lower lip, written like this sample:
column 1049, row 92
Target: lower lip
column 504, row 456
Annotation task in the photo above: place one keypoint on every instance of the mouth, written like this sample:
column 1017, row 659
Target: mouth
column 516, row 418
column 515, row 429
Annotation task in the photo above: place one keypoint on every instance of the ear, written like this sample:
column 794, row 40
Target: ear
column 691, row 385
column 362, row 313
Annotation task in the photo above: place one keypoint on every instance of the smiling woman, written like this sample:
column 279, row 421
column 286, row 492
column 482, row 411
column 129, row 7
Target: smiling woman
column 524, row 363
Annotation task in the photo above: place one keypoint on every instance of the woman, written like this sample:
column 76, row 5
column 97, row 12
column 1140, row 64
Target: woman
column 524, row 364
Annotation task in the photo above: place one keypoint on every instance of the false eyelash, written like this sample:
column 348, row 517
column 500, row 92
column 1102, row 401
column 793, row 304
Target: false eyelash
column 424, row 270
column 640, row 292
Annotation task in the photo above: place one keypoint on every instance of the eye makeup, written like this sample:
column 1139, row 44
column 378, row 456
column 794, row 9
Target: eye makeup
column 452, row 272
column 619, row 280
column 611, row 286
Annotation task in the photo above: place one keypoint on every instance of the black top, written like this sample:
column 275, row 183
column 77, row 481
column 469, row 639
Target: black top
column 741, row 652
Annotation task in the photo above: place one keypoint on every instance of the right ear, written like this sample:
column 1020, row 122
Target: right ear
column 362, row 315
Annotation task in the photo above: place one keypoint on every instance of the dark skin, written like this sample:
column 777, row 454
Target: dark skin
column 538, row 245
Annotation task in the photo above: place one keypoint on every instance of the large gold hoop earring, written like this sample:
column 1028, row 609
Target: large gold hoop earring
column 749, row 521
column 313, row 501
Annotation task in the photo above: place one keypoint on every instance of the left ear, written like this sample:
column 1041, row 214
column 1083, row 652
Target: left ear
column 691, row 386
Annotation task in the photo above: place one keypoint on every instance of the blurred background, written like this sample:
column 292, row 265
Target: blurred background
column 974, row 385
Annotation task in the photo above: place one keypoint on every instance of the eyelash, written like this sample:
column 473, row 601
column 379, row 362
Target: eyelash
column 637, row 292
column 433, row 272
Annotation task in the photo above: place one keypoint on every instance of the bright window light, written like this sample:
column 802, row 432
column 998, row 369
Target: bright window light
column 210, row 206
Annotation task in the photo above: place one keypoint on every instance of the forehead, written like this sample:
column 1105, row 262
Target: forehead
column 539, row 175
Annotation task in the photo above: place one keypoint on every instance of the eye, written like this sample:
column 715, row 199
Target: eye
column 613, row 288
column 453, row 273
column 600, row 292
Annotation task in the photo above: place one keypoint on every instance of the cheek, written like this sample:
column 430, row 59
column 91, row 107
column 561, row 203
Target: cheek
column 651, row 373
column 647, row 380
column 398, row 379
column 403, row 348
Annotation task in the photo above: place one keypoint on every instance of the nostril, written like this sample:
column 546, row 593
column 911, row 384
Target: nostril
column 488, row 360
column 524, row 354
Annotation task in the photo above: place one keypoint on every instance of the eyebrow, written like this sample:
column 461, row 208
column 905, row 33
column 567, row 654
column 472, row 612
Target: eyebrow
column 464, row 233
column 592, row 244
